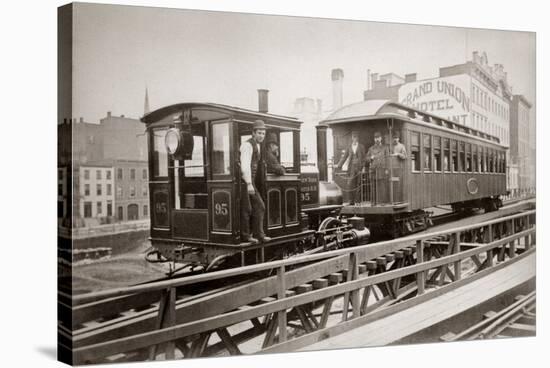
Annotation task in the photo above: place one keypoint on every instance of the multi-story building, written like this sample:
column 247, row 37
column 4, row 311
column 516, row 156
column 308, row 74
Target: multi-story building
column 95, row 193
column 118, row 143
column 474, row 94
column 522, row 144
column 131, row 190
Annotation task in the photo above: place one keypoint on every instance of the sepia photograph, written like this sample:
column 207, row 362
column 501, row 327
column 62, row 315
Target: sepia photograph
column 236, row 184
column 274, row 183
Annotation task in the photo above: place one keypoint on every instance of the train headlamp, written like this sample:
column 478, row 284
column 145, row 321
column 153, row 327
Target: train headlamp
column 172, row 141
column 179, row 140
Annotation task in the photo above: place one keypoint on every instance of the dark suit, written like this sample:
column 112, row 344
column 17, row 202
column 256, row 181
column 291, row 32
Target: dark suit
column 356, row 165
column 273, row 165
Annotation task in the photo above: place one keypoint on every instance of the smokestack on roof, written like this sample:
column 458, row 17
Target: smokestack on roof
column 337, row 88
column 263, row 100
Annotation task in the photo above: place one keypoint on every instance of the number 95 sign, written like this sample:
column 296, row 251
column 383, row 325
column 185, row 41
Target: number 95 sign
column 221, row 208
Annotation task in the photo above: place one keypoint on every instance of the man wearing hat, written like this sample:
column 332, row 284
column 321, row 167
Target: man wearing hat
column 377, row 152
column 356, row 155
column 375, row 158
column 398, row 147
column 271, row 157
column 253, row 181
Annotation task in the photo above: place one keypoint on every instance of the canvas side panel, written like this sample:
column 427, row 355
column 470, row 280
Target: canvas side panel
column 65, row 182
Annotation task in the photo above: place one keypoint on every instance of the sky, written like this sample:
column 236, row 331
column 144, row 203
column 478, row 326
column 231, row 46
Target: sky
column 205, row 56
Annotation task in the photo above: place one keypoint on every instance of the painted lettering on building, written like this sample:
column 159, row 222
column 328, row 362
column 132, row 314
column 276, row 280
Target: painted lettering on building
column 446, row 97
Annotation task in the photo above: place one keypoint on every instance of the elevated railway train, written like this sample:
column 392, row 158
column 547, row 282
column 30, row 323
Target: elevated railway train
column 195, row 181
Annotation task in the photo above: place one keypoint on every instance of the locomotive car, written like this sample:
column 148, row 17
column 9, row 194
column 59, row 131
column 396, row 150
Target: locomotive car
column 446, row 164
column 195, row 189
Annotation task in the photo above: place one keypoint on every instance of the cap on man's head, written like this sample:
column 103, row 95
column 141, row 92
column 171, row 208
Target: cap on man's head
column 258, row 124
column 396, row 135
column 377, row 135
column 355, row 133
column 272, row 138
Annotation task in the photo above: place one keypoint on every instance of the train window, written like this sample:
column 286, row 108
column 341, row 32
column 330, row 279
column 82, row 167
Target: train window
column 481, row 160
column 504, row 162
column 427, row 145
column 437, row 153
column 160, row 156
column 286, row 140
column 468, row 157
column 475, row 156
column 415, row 151
column 195, row 166
column 461, row 156
column 446, row 155
column 490, row 167
column 454, row 156
column 287, row 150
column 221, row 161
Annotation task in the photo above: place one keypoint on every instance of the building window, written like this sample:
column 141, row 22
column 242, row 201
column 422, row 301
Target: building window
column 59, row 174
column 86, row 189
column 120, row 213
column 109, row 189
column 119, row 174
column 109, row 208
column 144, row 190
column 415, row 151
column 87, row 209
column 427, row 145
column 108, row 174
column 99, row 208
column 60, row 189
column 132, row 191
column 98, row 174
column 132, row 174
column 60, row 211
column 98, row 189
column 145, row 210
column 119, row 191
column 87, row 174
column 144, row 174
column 437, row 153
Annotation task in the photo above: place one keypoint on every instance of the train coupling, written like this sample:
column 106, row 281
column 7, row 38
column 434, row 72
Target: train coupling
column 183, row 252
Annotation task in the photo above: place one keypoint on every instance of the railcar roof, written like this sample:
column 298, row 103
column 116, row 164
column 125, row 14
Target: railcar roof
column 380, row 109
column 211, row 111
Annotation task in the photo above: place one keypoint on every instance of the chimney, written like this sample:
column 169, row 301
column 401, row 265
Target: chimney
column 108, row 114
column 411, row 77
column 81, row 120
column 337, row 88
column 319, row 106
column 263, row 100
column 122, row 115
column 368, row 80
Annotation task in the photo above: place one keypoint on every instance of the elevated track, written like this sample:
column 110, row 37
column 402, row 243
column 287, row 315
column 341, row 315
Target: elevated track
column 330, row 294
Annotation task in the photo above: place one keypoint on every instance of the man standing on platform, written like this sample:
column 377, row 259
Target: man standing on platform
column 253, row 178
column 375, row 158
column 356, row 155
column 399, row 149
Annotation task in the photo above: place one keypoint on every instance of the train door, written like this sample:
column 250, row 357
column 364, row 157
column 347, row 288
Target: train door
column 281, row 193
column 223, row 184
column 188, row 190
